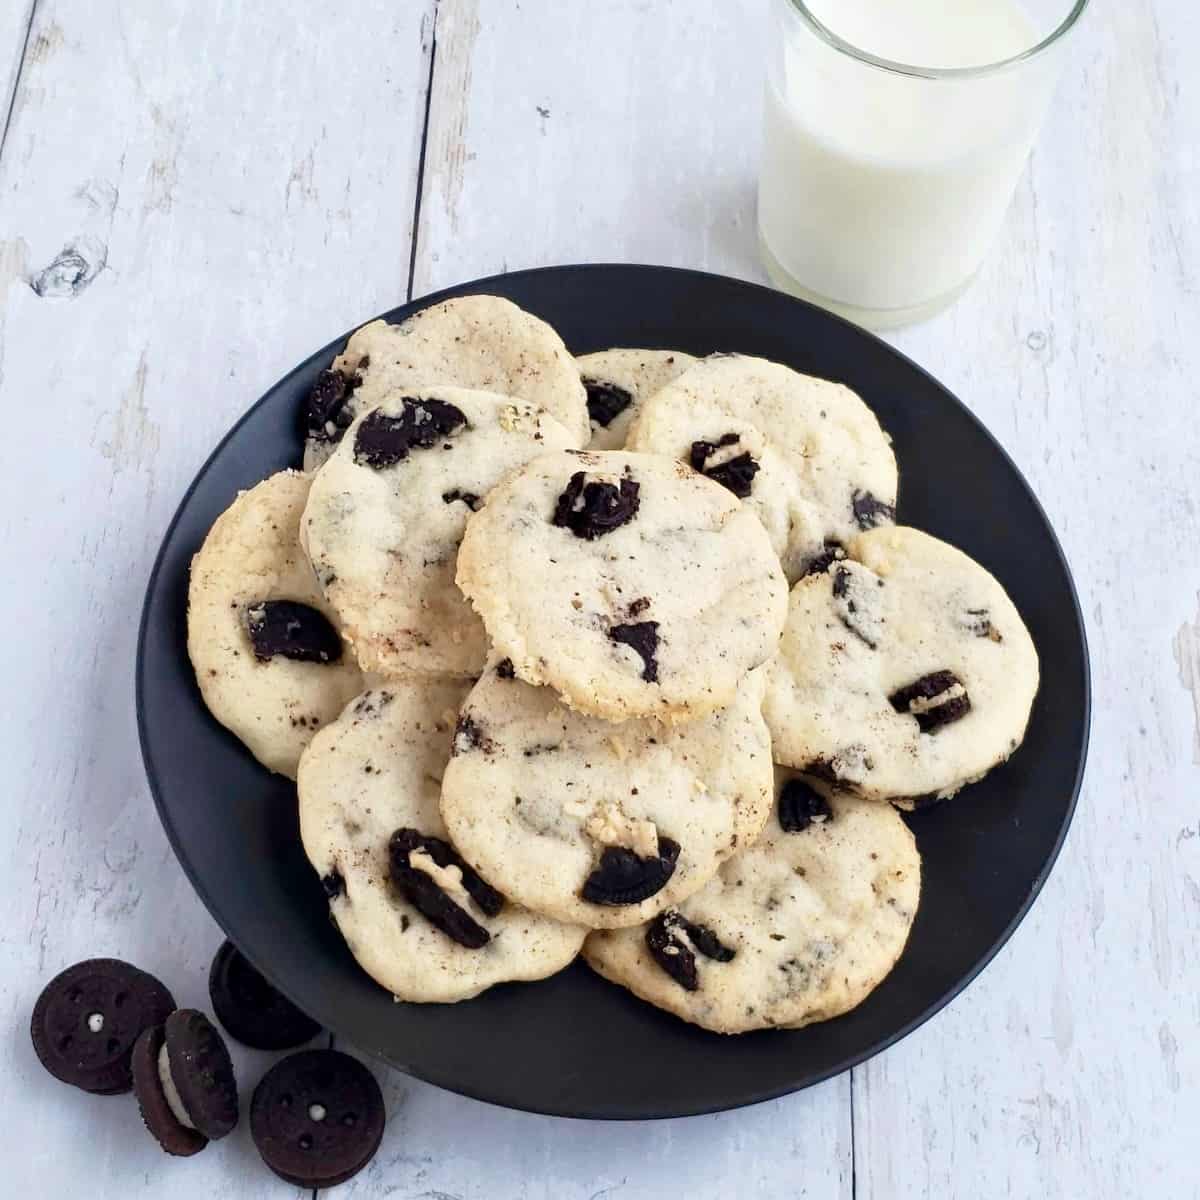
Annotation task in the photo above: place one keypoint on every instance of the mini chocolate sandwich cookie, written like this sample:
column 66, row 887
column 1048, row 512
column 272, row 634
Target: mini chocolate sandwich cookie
column 253, row 1011
column 194, row 1061
column 87, row 1019
column 162, row 1110
column 317, row 1118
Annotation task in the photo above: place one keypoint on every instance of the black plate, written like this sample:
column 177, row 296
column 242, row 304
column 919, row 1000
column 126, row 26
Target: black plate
column 574, row 1045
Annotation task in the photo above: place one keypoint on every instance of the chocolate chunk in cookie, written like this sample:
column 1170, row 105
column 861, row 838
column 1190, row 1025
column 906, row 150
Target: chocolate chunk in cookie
column 642, row 637
column 935, row 700
column 383, row 440
column 592, row 508
column 672, row 940
column 833, row 552
column 733, row 471
column 443, row 854
column 326, row 414
column 978, row 622
column 505, row 669
column 317, row 1118
column 800, row 805
column 292, row 630
column 855, row 605
column 88, row 1018
column 423, row 891
column 870, row 512
column 469, row 735
column 624, row 878
column 847, row 767
column 606, row 401
column 253, row 1011
column 468, row 498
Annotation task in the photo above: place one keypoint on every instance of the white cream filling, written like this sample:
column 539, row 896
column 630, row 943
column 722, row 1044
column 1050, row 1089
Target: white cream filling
column 449, row 879
column 174, row 1103
column 923, row 704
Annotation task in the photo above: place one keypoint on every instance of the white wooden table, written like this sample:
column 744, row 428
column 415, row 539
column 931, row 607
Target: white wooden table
column 194, row 196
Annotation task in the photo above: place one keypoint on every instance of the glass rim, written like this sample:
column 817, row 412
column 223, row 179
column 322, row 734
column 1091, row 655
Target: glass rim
column 898, row 68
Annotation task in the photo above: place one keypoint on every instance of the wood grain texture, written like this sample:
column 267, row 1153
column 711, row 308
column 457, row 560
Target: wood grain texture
column 443, row 1147
column 190, row 202
column 620, row 132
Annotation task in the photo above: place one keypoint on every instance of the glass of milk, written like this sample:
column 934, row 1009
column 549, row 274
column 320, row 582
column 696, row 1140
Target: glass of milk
column 895, row 133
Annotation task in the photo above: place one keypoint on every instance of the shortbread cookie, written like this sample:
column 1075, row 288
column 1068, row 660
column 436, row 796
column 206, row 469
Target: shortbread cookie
column 801, row 927
column 271, row 664
column 387, row 512
column 808, row 456
column 904, row 672
column 617, row 381
column 416, row 917
column 600, row 824
column 628, row 583
column 479, row 342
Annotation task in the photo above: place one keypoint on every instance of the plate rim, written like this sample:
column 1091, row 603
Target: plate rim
column 480, row 285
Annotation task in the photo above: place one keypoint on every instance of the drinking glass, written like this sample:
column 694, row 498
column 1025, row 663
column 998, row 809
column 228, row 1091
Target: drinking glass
column 895, row 133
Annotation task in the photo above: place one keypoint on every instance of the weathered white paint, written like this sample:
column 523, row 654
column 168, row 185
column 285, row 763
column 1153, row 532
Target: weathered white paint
column 249, row 187
column 442, row 1147
column 647, row 114
column 239, row 190
column 14, row 25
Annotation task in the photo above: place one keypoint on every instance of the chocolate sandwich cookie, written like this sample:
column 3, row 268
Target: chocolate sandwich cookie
column 630, row 584
column 253, row 1011
column 162, row 1110
column 196, row 1064
column 87, row 1019
column 317, row 1118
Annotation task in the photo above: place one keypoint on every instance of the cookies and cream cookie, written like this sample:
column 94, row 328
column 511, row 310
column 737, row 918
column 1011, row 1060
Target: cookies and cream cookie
column 595, row 823
column 270, row 661
column 417, row 918
column 387, row 511
column 801, row 927
column 485, row 343
column 628, row 583
column 904, row 671
column 808, row 456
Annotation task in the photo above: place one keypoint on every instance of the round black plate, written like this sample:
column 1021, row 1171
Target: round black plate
column 575, row 1045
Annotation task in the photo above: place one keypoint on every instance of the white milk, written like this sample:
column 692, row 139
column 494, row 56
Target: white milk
column 881, row 191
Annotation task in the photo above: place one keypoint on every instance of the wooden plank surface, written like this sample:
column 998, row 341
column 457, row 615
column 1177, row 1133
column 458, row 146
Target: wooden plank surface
column 203, row 195
column 617, row 132
column 443, row 1147
column 199, row 203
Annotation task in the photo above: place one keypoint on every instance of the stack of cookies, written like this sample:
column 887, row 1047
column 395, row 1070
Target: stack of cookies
column 622, row 655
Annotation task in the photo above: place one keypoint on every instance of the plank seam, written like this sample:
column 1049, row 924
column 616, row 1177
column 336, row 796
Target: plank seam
column 416, row 221
column 16, row 87
column 853, row 1149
